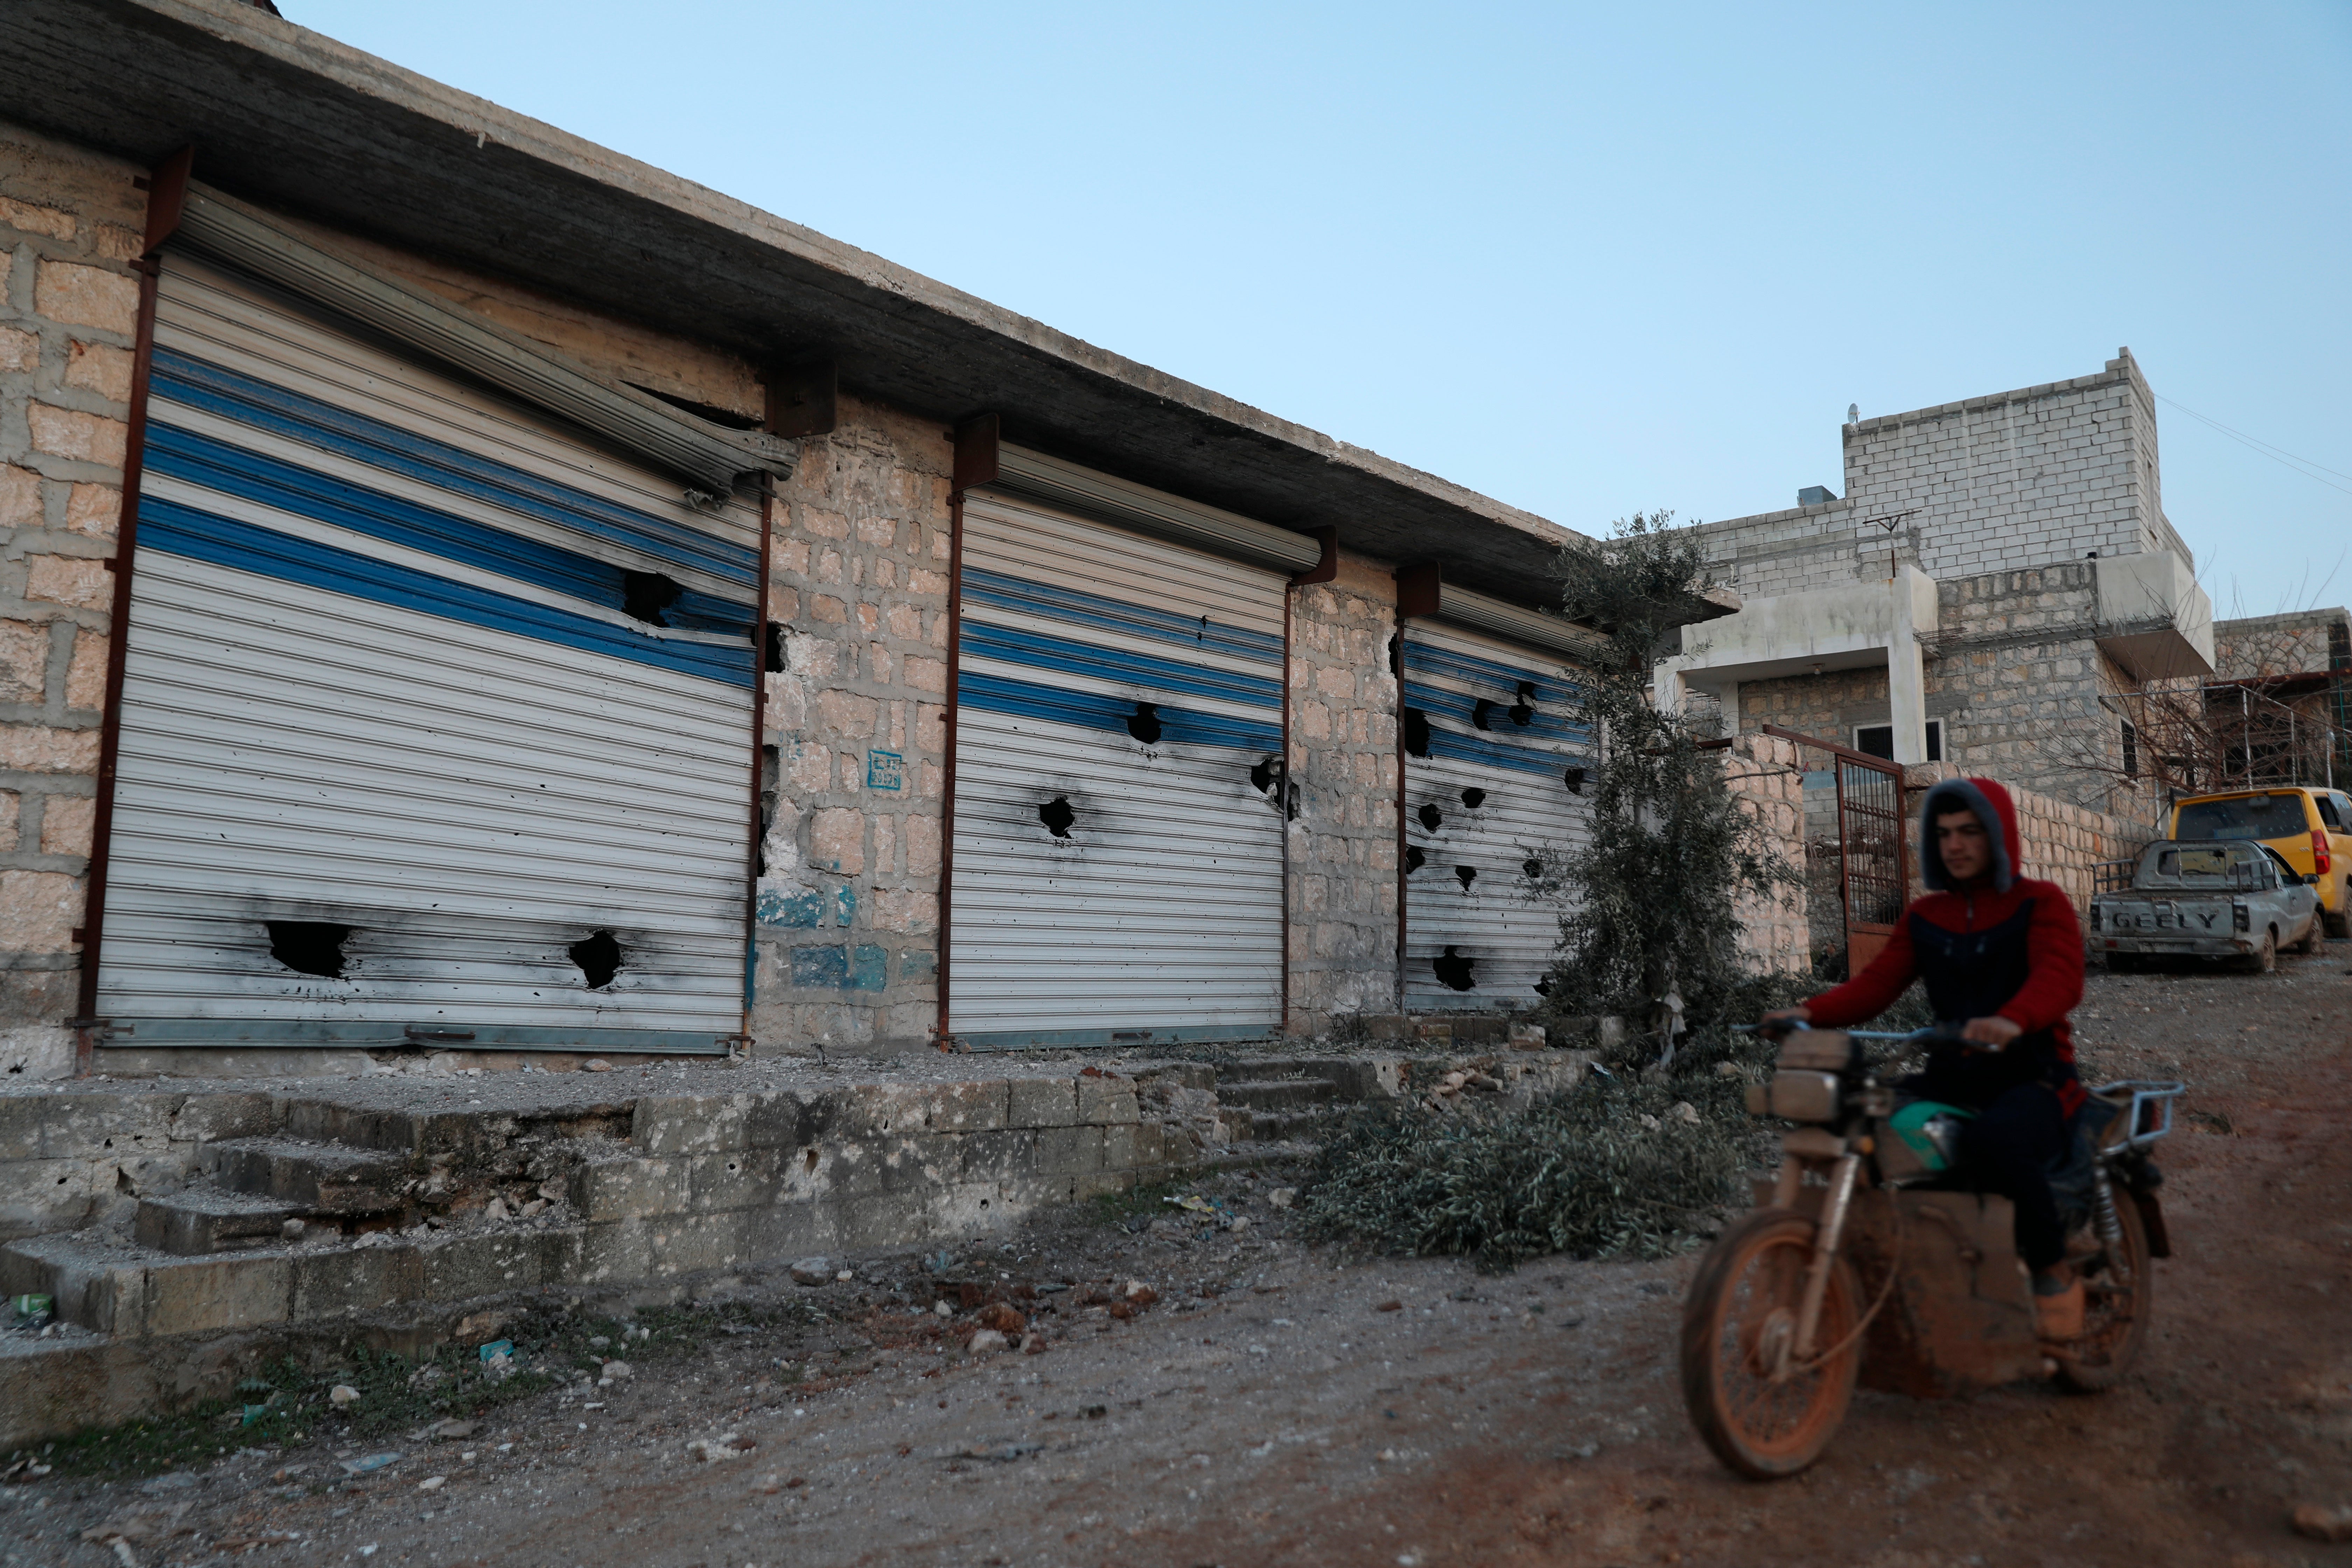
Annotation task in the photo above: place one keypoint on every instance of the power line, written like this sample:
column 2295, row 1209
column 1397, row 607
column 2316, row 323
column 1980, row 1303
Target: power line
column 2278, row 455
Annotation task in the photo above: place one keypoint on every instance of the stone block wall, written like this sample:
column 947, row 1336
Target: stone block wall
column 1801, row 549
column 70, row 226
column 2018, row 677
column 1767, row 776
column 848, row 897
column 1341, row 848
column 2015, row 675
column 1826, row 707
column 2296, row 643
column 2025, row 479
column 2031, row 478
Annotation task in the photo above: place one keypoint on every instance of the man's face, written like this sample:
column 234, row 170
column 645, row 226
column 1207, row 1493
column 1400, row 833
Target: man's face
column 1960, row 838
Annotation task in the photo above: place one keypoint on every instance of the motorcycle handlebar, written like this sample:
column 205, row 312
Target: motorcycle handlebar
column 1944, row 1033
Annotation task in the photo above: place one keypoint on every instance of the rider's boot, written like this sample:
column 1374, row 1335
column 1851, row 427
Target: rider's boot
column 2058, row 1305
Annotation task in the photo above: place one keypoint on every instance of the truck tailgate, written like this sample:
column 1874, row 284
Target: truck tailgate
column 2194, row 917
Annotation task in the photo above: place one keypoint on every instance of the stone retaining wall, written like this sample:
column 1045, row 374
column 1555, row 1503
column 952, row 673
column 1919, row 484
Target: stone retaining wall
column 1766, row 777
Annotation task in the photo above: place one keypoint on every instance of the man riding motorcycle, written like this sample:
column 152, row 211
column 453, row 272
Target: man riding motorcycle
column 2004, row 953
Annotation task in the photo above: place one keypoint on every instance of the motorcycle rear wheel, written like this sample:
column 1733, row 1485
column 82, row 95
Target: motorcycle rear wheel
column 1746, row 1297
column 2119, row 1297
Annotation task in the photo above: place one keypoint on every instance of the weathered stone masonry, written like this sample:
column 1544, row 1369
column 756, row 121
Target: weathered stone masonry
column 1342, row 844
column 71, row 225
column 848, row 905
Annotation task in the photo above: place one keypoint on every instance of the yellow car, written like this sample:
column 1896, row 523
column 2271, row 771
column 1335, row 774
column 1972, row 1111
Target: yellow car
column 2310, row 826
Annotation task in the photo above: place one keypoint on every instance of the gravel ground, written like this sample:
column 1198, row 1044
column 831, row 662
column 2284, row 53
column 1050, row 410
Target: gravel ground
column 1280, row 1402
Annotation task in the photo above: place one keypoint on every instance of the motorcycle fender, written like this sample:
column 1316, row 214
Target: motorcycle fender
column 2151, row 1219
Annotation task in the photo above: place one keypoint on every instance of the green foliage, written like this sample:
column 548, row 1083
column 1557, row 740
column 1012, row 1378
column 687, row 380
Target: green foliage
column 1609, row 1168
column 1651, row 895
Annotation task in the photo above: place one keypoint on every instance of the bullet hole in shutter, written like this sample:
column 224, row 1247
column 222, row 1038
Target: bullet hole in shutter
column 645, row 594
column 309, row 947
column 1416, row 732
column 598, row 958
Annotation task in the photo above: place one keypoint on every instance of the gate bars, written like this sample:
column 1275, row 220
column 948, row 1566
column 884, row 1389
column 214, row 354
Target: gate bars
column 1873, row 850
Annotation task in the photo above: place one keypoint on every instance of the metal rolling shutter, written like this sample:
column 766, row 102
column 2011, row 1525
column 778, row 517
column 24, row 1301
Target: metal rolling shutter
column 382, row 680
column 1155, row 910
column 1489, row 793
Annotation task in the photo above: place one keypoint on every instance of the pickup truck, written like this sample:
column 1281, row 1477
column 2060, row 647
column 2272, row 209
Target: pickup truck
column 2207, row 899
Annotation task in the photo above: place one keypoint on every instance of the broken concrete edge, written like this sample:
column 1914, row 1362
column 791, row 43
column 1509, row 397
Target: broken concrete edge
column 54, row 1389
column 659, row 1191
column 74, row 1158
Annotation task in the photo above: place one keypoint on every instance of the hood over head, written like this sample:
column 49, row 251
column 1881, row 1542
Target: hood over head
column 1993, row 807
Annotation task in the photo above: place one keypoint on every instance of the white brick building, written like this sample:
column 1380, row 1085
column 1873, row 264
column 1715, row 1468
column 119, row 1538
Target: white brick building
column 1997, row 572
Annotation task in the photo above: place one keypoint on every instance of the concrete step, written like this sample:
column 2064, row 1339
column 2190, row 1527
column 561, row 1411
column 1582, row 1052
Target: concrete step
column 1261, row 1069
column 318, row 1178
column 204, row 1219
column 1253, row 1155
column 85, row 1273
column 112, row 1284
column 1276, row 1094
column 1279, row 1126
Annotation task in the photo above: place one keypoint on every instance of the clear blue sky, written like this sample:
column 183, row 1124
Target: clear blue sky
column 1585, row 260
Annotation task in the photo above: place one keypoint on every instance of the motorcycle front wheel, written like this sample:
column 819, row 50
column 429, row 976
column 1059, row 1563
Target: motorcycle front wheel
column 1741, row 1310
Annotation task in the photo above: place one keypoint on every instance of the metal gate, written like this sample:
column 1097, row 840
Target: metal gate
column 1873, row 845
column 435, row 719
column 1117, row 873
column 1494, row 781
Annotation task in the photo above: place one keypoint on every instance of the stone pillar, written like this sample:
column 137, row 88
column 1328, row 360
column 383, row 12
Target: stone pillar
column 1666, row 688
column 1906, row 679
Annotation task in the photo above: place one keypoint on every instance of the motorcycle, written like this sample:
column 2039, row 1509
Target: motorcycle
column 1868, row 1259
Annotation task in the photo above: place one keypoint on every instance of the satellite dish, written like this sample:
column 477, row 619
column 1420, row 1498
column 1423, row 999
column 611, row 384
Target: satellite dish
column 1854, row 413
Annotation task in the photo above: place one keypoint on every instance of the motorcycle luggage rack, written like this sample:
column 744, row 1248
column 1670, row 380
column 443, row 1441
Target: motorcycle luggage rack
column 2151, row 1106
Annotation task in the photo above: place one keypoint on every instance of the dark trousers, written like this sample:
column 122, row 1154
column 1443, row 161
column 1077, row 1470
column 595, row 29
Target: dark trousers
column 2007, row 1149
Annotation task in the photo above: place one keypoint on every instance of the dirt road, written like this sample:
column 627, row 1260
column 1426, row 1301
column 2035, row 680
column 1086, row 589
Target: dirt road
column 1316, row 1411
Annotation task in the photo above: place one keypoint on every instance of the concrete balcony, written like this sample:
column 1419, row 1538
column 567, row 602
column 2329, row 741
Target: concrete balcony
column 1858, row 626
column 2155, row 620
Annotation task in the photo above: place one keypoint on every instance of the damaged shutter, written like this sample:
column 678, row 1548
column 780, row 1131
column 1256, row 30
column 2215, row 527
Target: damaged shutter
column 435, row 717
column 1494, row 775
column 1117, row 868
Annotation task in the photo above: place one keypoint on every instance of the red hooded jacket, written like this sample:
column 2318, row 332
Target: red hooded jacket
column 2038, row 914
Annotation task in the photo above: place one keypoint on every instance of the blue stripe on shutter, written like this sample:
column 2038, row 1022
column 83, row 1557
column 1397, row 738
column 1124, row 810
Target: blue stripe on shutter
column 1043, row 651
column 215, row 465
column 231, row 394
column 1092, row 711
column 179, row 530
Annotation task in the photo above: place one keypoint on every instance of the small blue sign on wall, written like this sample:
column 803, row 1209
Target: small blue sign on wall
column 885, row 770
